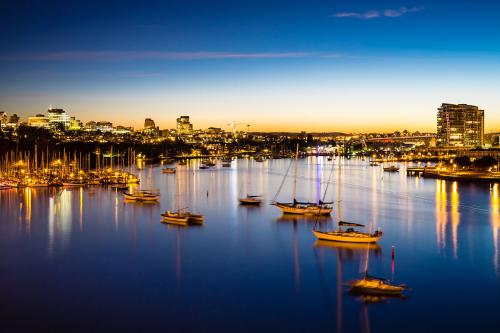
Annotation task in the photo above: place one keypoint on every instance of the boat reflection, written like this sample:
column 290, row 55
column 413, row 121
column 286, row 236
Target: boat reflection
column 373, row 299
column 350, row 251
column 304, row 218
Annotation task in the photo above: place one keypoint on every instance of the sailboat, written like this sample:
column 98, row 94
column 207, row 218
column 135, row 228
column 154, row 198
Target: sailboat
column 301, row 208
column 371, row 285
column 349, row 234
column 377, row 286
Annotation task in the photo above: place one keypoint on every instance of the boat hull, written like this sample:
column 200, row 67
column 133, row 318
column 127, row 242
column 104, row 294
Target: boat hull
column 174, row 220
column 250, row 201
column 375, row 287
column 348, row 237
column 304, row 210
column 142, row 198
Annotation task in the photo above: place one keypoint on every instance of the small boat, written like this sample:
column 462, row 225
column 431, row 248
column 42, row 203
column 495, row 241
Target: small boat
column 391, row 168
column 204, row 166
column 376, row 286
column 226, row 164
column 188, row 217
column 174, row 218
column 251, row 200
column 168, row 170
column 329, row 158
column 144, row 196
column 374, row 164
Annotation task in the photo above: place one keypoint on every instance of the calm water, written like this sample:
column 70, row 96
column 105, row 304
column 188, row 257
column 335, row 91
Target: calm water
column 83, row 260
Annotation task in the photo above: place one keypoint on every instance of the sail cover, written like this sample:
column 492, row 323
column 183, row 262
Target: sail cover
column 350, row 224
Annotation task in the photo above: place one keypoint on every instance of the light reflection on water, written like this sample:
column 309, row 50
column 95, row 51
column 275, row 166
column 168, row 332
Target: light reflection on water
column 249, row 268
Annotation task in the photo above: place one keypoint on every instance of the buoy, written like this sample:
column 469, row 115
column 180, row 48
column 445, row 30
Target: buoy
column 393, row 252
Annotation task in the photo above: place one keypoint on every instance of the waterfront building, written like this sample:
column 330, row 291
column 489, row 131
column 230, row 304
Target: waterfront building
column 58, row 117
column 460, row 125
column 183, row 125
column 40, row 120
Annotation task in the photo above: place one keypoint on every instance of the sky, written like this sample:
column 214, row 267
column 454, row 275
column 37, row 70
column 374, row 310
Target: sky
column 325, row 65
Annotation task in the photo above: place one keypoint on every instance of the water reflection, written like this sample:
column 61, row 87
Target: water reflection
column 274, row 257
column 59, row 220
column 495, row 224
column 447, row 213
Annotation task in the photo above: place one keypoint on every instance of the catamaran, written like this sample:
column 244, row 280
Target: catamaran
column 301, row 208
column 349, row 234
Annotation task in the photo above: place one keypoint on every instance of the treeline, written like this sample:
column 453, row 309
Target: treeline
column 483, row 163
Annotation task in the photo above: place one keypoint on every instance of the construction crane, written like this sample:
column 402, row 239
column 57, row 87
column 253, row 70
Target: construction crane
column 235, row 124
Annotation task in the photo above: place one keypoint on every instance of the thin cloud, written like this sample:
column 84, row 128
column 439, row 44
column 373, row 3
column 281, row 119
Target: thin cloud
column 371, row 14
column 154, row 55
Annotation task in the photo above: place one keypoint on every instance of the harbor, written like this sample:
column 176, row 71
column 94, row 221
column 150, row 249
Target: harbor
column 103, row 244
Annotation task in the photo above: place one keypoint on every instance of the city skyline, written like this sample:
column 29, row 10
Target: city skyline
column 330, row 66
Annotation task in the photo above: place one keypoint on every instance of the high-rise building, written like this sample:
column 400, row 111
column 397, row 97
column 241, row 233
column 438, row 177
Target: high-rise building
column 183, row 125
column 58, row 116
column 149, row 123
column 75, row 124
column 460, row 125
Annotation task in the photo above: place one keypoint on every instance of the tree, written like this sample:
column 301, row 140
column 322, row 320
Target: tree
column 463, row 161
column 14, row 119
column 484, row 163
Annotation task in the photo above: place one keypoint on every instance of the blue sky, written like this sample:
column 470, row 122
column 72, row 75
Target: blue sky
column 278, row 65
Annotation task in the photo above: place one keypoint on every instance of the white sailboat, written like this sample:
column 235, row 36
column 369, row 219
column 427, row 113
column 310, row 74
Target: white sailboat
column 301, row 208
column 349, row 234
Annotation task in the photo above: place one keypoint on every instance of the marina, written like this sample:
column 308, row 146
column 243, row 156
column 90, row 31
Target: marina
column 437, row 227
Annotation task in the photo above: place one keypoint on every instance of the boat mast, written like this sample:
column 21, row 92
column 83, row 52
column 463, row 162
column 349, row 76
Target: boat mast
column 339, row 193
column 295, row 173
